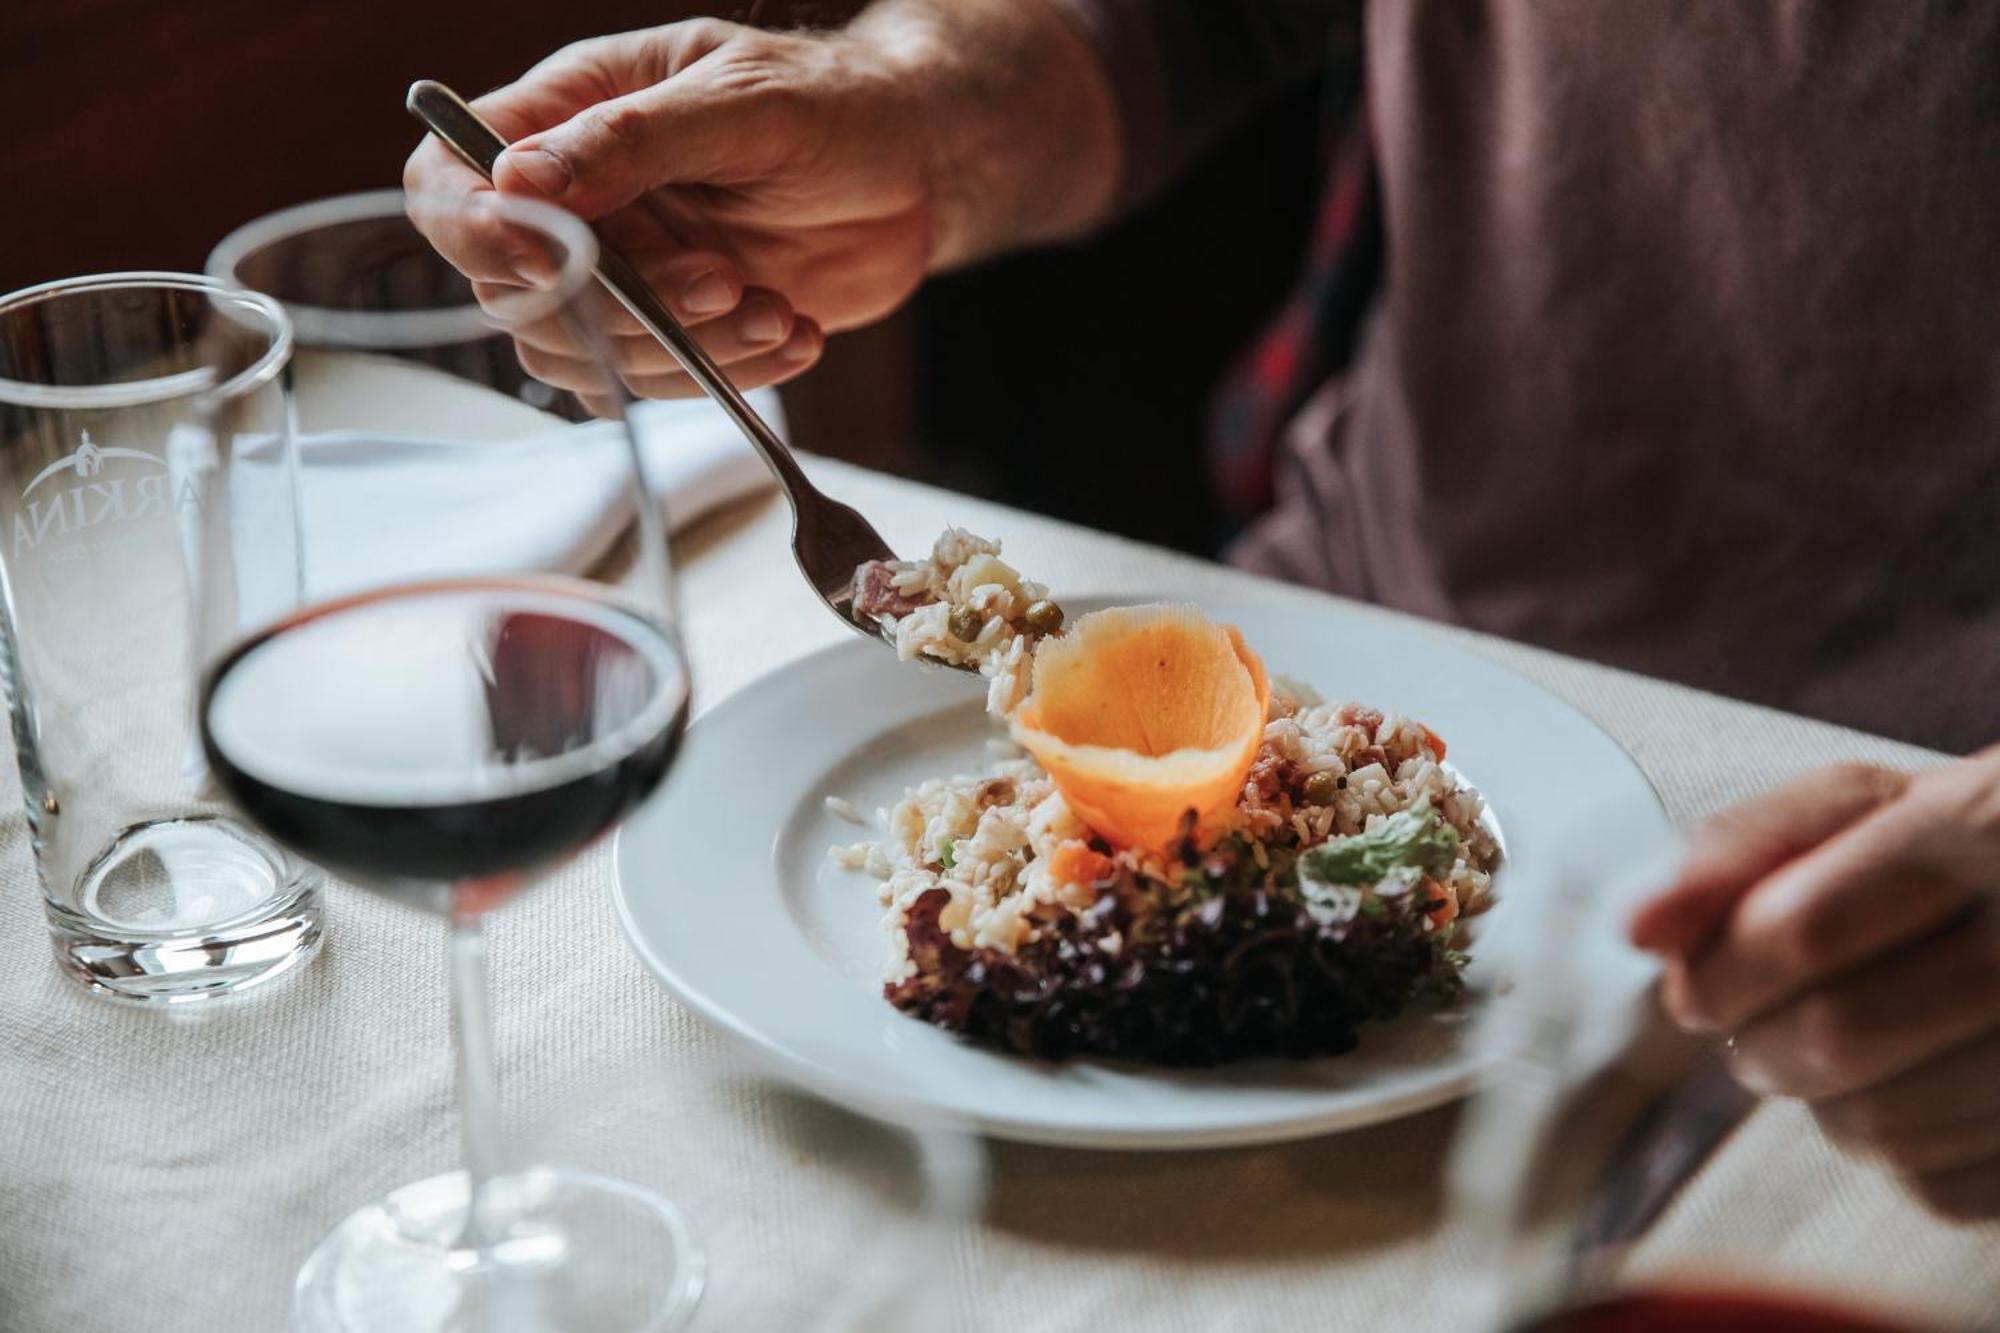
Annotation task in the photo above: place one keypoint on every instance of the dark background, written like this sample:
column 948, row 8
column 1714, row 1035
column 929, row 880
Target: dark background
column 1072, row 382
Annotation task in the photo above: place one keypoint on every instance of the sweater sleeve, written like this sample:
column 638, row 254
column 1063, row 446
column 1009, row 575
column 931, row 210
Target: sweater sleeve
column 1185, row 72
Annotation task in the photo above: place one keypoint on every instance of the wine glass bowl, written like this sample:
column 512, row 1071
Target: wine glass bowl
column 447, row 733
column 433, row 711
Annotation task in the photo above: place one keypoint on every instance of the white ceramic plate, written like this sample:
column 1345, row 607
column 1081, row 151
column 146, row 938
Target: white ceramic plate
column 728, row 894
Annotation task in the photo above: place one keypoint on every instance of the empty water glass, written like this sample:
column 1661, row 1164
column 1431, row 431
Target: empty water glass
column 154, row 893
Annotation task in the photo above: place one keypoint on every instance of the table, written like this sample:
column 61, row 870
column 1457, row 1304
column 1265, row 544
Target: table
column 170, row 1171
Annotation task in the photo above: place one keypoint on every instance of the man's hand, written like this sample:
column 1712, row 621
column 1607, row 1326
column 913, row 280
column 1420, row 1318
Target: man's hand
column 1844, row 933
column 775, row 187
column 705, row 152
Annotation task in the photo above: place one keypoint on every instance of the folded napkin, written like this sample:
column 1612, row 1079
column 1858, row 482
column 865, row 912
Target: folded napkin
column 431, row 492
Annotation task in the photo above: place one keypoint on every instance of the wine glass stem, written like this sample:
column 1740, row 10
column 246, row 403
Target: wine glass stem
column 478, row 1098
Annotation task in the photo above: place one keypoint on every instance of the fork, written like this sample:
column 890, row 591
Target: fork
column 830, row 540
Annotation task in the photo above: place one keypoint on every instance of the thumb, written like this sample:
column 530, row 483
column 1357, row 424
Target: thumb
column 682, row 130
column 1740, row 846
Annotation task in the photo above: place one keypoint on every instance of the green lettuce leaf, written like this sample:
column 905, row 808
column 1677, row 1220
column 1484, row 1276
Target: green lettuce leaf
column 1411, row 837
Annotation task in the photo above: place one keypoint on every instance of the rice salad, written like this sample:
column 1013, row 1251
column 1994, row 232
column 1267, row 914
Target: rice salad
column 964, row 606
column 1332, row 892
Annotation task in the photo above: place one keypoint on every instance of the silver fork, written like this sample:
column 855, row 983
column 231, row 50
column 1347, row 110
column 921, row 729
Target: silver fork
column 830, row 540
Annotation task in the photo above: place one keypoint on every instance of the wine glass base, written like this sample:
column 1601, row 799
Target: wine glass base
column 570, row 1250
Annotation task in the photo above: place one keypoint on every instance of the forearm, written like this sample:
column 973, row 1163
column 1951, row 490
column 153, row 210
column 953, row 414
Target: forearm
column 1025, row 142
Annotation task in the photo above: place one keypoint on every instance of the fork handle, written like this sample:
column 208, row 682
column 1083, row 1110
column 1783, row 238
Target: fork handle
column 479, row 145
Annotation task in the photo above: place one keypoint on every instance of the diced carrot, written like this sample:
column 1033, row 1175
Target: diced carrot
column 1077, row 863
column 1443, row 915
column 1432, row 742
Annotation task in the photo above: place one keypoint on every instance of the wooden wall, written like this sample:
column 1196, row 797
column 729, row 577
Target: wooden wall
column 139, row 131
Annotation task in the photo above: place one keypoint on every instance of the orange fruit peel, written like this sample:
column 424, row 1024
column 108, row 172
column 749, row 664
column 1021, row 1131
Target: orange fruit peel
column 1141, row 714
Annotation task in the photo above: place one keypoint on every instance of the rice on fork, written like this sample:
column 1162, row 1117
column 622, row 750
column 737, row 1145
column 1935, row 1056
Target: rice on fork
column 964, row 606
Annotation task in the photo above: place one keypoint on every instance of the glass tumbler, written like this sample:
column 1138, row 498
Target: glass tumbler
column 154, row 892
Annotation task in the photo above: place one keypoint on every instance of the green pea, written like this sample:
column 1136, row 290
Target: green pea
column 1322, row 787
column 1044, row 617
column 965, row 623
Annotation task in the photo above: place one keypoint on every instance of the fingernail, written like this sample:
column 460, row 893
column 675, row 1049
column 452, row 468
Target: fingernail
column 544, row 170
column 798, row 348
column 710, row 294
column 762, row 325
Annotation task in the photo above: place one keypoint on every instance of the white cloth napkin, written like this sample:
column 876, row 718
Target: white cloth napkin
column 430, row 492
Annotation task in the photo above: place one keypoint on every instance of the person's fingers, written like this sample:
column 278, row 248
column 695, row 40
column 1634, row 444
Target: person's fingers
column 1947, row 1148
column 793, row 358
column 439, row 182
column 581, row 375
column 1930, row 1118
column 1960, row 1085
column 442, row 195
column 1965, row 1194
column 549, row 333
column 1881, row 1020
column 697, row 287
column 476, row 236
column 697, row 124
column 1965, row 798
column 433, row 170
column 556, row 88
column 543, row 97
column 534, row 102
column 1861, row 894
column 760, row 323
column 777, row 346
column 552, row 335
column 1740, row 846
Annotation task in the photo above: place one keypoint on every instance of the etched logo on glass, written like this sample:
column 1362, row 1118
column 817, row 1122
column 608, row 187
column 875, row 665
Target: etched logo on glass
column 89, row 502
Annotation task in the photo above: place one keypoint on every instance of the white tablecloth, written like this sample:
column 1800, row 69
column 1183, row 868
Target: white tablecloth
column 169, row 1172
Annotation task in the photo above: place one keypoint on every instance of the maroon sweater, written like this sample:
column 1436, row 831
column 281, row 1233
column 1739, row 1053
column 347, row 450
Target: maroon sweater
column 1686, row 355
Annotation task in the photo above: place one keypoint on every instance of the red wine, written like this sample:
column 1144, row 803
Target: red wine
column 1708, row 1312
column 449, row 731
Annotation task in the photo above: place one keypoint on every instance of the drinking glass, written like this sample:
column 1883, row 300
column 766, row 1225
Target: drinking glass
column 446, row 710
column 154, row 893
column 1561, row 1156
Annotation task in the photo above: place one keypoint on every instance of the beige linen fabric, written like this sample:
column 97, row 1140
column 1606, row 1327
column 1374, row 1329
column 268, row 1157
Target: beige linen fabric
column 170, row 1172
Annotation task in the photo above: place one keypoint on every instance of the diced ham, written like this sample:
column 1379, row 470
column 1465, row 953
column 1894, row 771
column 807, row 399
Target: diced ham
column 1267, row 774
column 876, row 594
column 1355, row 715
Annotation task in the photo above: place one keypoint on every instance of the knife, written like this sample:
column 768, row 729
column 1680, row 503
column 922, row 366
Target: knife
column 1671, row 1139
